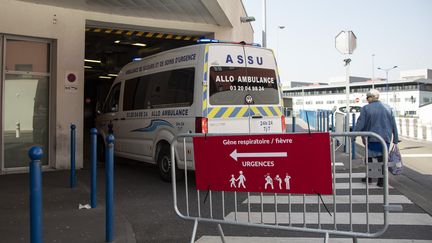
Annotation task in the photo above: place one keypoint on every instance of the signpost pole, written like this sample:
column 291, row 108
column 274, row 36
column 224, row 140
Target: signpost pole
column 345, row 43
column 347, row 92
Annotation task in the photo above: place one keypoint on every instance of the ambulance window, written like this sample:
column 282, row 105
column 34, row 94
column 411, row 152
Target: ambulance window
column 129, row 94
column 135, row 93
column 230, row 85
column 172, row 88
column 112, row 102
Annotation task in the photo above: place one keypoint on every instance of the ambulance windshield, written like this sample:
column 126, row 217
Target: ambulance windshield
column 230, row 86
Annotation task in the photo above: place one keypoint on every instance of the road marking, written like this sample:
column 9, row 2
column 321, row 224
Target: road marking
column 236, row 155
column 354, row 175
column 360, row 185
column 241, row 239
column 341, row 218
column 283, row 199
column 416, row 155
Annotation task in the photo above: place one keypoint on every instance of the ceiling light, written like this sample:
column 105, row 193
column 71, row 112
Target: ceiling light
column 88, row 67
column 139, row 44
column 90, row 60
column 112, row 75
column 117, row 41
column 105, row 77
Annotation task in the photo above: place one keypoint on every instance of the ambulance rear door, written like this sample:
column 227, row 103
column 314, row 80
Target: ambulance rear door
column 243, row 95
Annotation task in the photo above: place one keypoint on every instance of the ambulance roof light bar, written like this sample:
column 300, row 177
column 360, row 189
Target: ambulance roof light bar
column 206, row 41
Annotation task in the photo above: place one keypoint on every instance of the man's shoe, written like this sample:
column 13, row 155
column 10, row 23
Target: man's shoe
column 380, row 182
column 369, row 180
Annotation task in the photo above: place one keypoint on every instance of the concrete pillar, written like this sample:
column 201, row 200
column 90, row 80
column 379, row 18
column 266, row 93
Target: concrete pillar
column 411, row 128
column 419, row 130
column 429, row 132
column 403, row 127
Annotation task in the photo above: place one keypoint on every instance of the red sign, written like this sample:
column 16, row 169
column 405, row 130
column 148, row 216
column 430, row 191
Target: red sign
column 71, row 77
column 275, row 163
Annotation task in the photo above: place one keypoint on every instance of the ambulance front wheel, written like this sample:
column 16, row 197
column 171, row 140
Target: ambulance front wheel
column 164, row 164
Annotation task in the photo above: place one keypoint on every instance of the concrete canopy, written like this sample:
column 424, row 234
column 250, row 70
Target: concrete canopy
column 196, row 11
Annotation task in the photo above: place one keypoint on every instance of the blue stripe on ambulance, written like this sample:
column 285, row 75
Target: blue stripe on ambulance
column 232, row 112
column 262, row 111
column 235, row 112
column 221, row 112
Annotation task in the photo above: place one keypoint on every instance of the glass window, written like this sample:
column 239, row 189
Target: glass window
column 172, row 88
column 27, row 94
column 27, row 56
column 130, row 89
column 112, row 102
column 230, row 85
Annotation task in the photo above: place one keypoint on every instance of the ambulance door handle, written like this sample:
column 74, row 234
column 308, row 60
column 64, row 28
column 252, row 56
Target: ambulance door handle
column 115, row 119
column 256, row 116
column 122, row 118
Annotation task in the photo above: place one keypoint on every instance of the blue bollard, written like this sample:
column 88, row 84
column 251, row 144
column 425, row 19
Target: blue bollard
column 35, row 153
column 93, row 157
column 109, row 187
column 353, row 143
column 72, row 151
column 322, row 120
column 327, row 121
column 293, row 123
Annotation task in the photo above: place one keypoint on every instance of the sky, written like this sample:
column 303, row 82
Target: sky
column 396, row 32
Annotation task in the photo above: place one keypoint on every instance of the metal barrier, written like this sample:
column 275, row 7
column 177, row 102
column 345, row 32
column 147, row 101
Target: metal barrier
column 343, row 215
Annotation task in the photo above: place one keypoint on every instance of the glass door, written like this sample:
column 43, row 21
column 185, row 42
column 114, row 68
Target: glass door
column 25, row 100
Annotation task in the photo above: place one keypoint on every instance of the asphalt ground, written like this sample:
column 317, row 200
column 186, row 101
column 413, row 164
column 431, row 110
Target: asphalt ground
column 144, row 210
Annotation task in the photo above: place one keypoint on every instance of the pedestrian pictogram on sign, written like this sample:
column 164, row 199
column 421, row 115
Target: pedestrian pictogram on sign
column 277, row 163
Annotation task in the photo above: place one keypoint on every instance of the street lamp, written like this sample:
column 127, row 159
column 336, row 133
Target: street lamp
column 264, row 30
column 281, row 27
column 373, row 71
column 387, row 71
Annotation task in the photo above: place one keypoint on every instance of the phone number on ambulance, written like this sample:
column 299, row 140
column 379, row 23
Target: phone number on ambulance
column 247, row 88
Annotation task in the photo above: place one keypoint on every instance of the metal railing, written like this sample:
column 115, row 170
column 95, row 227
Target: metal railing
column 345, row 215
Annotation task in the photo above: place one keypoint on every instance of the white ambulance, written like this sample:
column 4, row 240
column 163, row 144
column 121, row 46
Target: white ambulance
column 205, row 88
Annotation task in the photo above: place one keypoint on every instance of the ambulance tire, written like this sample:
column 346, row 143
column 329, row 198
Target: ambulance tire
column 164, row 163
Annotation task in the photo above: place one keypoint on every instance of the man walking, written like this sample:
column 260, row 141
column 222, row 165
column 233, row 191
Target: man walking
column 377, row 117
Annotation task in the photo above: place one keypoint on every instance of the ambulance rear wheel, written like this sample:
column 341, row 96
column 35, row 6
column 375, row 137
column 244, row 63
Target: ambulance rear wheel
column 164, row 164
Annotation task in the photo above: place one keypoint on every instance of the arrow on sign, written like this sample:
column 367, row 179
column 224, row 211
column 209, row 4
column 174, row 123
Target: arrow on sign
column 236, row 155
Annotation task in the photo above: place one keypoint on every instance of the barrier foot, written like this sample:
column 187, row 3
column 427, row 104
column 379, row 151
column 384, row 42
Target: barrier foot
column 221, row 233
column 355, row 240
column 194, row 231
column 326, row 238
